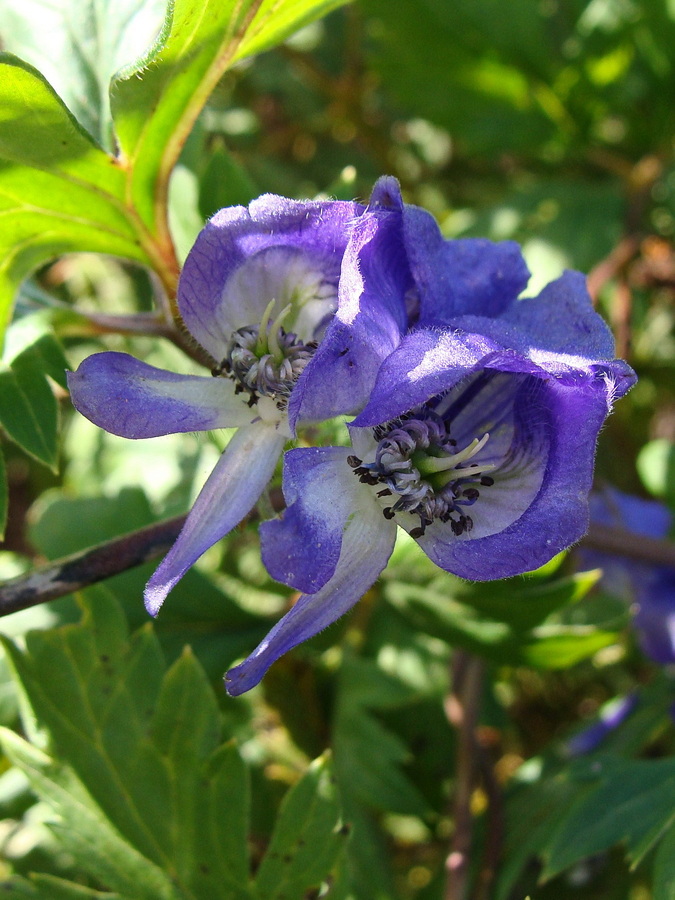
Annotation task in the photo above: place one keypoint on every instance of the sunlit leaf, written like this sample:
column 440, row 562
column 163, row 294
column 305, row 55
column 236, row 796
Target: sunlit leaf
column 79, row 45
column 156, row 102
column 59, row 192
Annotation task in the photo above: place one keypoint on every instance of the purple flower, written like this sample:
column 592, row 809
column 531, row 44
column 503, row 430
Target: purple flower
column 612, row 714
column 297, row 304
column 652, row 587
column 478, row 439
column 258, row 293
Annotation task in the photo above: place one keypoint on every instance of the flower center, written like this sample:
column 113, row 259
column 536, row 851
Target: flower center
column 417, row 462
column 265, row 360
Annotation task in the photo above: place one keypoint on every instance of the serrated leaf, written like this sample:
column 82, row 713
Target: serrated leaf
column 633, row 802
column 375, row 779
column 84, row 830
column 59, row 191
column 79, row 45
column 308, row 837
column 156, row 102
column 145, row 746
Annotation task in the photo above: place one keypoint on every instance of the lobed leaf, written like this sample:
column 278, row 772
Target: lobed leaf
column 308, row 837
column 144, row 757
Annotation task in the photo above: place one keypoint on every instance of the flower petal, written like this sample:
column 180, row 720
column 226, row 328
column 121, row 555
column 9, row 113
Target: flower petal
column 134, row 400
column 302, row 548
column 457, row 277
column 369, row 322
column 562, row 319
column 366, row 547
column 562, row 423
column 285, row 232
column 229, row 494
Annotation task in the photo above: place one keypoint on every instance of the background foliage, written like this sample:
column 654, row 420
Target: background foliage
column 125, row 771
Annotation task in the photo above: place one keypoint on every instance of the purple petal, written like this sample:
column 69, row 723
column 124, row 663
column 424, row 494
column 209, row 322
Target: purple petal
column 229, row 494
column 285, row 232
column 366, row 547
column 562, row 319
column 134, row 400
column 302, row 549
column 562, row 424
column 612, row 715
column 370, row 320
column 655, row 616
column 469, row 276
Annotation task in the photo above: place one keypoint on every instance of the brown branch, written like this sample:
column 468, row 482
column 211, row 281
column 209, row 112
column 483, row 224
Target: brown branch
column 633, row 546
column 461, row 708
column 72, row 573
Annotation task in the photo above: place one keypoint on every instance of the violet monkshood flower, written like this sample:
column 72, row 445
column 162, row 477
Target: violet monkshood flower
column 258, row 293
column 478, row 439
column 650, row 587
column 297, row 303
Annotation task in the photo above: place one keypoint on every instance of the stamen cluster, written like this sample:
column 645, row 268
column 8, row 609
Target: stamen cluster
column 270, row 374
column 416, row 460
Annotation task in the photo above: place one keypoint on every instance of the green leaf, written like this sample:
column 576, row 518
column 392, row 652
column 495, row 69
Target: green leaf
column 79, row 45
column 28, row 407
column 375, row 779
column 308, row 837
column 4, row 497
column 84, row 830
column 631, row 802
column 156, row 102
column 510, row 621
column 47, row 887
column 144, row 749
column 28, row 412
column 59, row 192
column 656, row 467
column 664, row 868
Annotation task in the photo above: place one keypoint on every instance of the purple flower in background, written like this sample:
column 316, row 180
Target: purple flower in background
column 478, row 439
column 651, row 587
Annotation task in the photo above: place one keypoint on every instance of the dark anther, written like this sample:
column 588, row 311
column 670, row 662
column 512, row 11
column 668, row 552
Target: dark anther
column 388, row 512
column 417, row 532
column 222, row 368
column 252, row 400
column 486, row 481
column 367, row 478
column 471, row 494
column 385, row 493
column 468, row 523
column 457, row 527
column 353, row 461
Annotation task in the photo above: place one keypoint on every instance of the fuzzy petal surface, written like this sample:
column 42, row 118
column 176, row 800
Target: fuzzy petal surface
column 554, row 444
column 229, row 494
column 303, row 547
column 134, row 400
column 458, row 277
column 369, row 322
column 366, row 547
column 275, row 242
